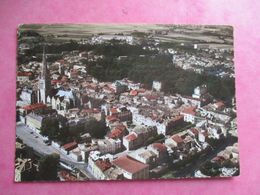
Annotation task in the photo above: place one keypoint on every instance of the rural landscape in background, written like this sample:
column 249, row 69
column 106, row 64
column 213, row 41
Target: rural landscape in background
column 119, row 102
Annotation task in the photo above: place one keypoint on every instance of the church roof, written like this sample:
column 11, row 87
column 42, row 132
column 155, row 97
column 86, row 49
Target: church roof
column 67, row 94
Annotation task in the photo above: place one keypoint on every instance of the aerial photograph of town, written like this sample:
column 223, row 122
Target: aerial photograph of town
column 125, row 102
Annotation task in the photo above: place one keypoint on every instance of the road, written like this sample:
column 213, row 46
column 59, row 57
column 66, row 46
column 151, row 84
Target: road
column 35, row 141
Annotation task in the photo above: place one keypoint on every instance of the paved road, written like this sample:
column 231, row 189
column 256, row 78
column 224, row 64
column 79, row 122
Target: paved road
column 30, row 139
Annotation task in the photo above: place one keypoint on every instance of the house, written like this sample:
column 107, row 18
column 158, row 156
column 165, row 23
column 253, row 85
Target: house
column 160, row 150
column 97, row 164
column 69, row 146
column 86, row 149
column 102, row 168
column 132, row 169
column 111, row 119
column 138, row 136
column 200, row 91
column 174, row 141
column 109, row 145
column 193, row 132
column 113, row 173
column 131, row 142
column 118, row 132
column 219, row 105
column 85, row 138
column 33, row 107
column 157, row 85
column 144, row 156
column 76, row 154
column 189, row 114
column 24, row 76
column 29, row 96
column 35, row 119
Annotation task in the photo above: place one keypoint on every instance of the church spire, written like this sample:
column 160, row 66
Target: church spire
column 44, row 80
column 44, row 64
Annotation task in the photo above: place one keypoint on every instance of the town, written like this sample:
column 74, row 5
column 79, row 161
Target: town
column 74, row 123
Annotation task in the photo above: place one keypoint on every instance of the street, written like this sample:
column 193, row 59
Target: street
column 36, row 141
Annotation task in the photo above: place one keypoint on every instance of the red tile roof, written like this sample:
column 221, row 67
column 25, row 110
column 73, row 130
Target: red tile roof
column 177, row 118
column 70, row 146
column 194, row 131
column 113, row 110
column 24, row 73
column 103, row 165
column 34, row 106
column 177, row 139
column 109, row 89
column 219, row 104
column 128, row 164
column 133, row 92
column 112, row 118
column 67, row 176
column 159, row 146
column 117, row 131
column 55, row 81
column 93, row 110
column 190, row 110
column 131, row 137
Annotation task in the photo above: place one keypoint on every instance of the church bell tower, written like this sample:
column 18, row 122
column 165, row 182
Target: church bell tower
column 44, row 80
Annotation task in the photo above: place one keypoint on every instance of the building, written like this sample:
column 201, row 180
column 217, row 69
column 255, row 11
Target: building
column 102, row 168
column 86, row 149
column 117, row 132
column 29, row 96
column 144, row 156
column 189, row 114
column 44, row 81
column 62, row 101
column 69, row 146
column 200, row 91
column 157, row 85
column 24, row 76
column 160, row 150
column 138, row 136
column 109, row 145
column 35, row 119
column 132, row 169
column 174, row 141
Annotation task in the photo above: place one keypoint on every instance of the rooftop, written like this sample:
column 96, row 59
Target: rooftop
column 103, row 165
column 131, row 137
column 128, row 164
column 70, row 146
column 177, row 139
column 35, row 106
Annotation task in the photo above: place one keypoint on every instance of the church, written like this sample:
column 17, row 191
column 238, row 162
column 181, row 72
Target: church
column 61, row 100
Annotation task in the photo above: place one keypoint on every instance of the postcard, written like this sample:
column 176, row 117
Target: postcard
column 125, row 102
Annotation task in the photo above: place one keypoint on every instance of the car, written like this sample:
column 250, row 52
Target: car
column 47, row 142
column 36, row 136
column 31, row 132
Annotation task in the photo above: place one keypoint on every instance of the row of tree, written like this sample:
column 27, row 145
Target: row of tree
column 58, row 129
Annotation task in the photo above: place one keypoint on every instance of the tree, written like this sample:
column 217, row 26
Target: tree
column 97, row 129
column 50, row 127
column 48, row 167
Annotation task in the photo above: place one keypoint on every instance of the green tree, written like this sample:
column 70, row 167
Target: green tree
column 97, row 129
column 50, row 127
column 48, row 167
